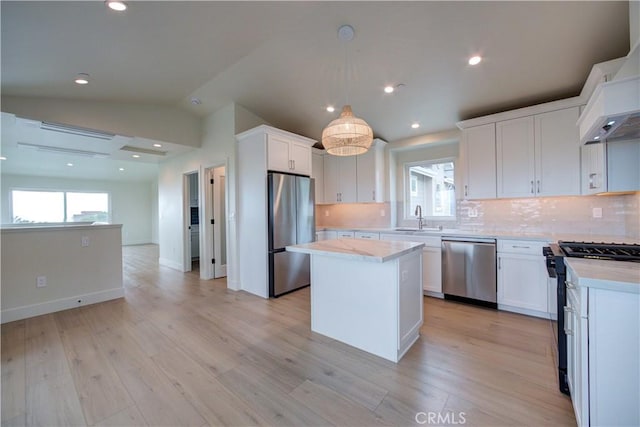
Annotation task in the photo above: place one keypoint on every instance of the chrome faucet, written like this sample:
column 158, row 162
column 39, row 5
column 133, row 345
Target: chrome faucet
column 418, row 213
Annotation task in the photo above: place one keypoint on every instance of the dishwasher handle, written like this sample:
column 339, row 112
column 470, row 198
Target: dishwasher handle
column 469, row 240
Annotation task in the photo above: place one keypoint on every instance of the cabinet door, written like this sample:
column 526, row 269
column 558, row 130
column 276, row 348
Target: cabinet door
column 317, row 173
column 366, row 176
column 432, row 269
column 522, row 281
column 330, row 168
column 347, row 179
column 594, row 177
column 515, row 158
column 278, row 154
column 300, row 157
column 479, row 145
column 623, row 158
column 557, row 150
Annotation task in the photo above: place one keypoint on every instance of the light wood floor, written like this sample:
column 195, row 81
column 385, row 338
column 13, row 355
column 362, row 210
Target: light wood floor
column 181, row 351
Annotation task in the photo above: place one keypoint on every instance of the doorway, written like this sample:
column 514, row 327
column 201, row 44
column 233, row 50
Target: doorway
column 192, row 221
column 216, row 226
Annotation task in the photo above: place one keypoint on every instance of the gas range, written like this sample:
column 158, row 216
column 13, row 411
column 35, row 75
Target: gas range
column 555, row 255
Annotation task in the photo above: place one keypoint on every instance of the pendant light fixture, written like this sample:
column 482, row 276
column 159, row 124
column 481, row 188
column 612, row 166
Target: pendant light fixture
column 347, row 135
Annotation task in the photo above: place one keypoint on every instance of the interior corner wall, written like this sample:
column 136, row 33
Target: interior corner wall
column 162, row 123
column 131, row 201
column 245, row 120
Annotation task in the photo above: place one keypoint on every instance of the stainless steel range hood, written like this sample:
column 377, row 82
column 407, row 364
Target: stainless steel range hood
column 612, row 113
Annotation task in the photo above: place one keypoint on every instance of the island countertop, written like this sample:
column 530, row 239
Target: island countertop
column 358, row 249
column 612, row 275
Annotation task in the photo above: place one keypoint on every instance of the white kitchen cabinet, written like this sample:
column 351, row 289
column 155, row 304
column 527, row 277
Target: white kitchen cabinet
column 539, row 155
column 515, row 157
column 479, row 162
column 431, row 260
column 317, row 173
column 522, row 278
column 286, row 153
column 340, row 179
column 367, row 235
column 611, row 167
column 370, row 174
column 345, row 235
column 326, row 235
column 603, row 349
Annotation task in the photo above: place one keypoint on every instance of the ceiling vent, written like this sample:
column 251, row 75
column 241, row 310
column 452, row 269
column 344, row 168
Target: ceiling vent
column 60, row 150
column 143, row 150
column 75, row 130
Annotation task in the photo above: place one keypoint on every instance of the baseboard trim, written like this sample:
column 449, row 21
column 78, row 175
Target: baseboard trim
column 26, row 311
column 171, row 264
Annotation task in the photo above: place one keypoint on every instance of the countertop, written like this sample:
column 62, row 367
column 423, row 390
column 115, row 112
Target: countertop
column 492, row 234
column 358, row 249
column 71, row 226
column 612, row 275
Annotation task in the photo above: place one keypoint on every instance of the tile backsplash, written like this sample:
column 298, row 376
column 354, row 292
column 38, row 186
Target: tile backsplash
column 566, row 215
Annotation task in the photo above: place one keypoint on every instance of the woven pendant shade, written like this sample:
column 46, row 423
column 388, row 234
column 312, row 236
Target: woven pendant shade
column 347, row 135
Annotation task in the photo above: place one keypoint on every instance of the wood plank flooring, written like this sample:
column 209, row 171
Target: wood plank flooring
column 181, row 351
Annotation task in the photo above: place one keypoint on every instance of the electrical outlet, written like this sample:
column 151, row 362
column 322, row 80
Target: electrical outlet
column 41, row 281
column 326, row 213
column 597, row 212
column 473, row 213
column 84, row 241
column 382, row 212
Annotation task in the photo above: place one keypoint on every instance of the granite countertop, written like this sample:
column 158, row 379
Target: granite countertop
column 358, row 249
column 492, row 234
column 613, row 275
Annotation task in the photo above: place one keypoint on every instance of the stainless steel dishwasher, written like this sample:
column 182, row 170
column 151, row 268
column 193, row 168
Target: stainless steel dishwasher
column 469, row 270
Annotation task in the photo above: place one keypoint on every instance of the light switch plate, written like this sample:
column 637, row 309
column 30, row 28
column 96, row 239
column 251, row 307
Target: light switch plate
column 597, row 212
column 84, row 241
column 41, row 281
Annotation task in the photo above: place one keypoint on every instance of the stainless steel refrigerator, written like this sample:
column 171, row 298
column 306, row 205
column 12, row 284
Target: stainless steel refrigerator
column 291, row 221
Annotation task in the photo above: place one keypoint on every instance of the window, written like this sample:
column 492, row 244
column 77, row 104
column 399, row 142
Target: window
column 32, row 206
column 431, row 185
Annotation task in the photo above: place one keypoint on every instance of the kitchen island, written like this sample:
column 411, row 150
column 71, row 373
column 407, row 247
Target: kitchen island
column 367, row 293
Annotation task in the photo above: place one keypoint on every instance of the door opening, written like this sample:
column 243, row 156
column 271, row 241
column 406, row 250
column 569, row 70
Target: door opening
column 192, row 222
column 217, row 223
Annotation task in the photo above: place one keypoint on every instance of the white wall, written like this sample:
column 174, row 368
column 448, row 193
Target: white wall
column 132, row 203
column 75, row 275
column 218, row 148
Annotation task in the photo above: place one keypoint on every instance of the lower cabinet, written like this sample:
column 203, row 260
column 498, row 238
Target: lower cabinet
column 345, row 235
column 431, row 260
column 523, row 285
column 603, row 349
column 326, row 235
column 367, row 235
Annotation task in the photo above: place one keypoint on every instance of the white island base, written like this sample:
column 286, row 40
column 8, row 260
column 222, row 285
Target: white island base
column 367, row 294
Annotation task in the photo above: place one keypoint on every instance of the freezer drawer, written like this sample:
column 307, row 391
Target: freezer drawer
column 288, row 271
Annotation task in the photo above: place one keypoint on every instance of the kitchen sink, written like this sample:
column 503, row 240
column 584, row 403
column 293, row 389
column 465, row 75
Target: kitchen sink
column 416, row 230
column 405, row 229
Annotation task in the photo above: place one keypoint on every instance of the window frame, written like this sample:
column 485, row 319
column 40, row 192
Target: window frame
column 64, row 214
column 407, row 215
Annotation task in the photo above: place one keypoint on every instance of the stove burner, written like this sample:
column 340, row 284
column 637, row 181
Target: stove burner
column 606, row 251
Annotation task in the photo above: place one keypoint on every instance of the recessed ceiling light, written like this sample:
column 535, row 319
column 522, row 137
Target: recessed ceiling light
column 196, row 101
column 82, row 79
column 611, row 123
column 475, row 60
column 135, row 156
column 389, row 89
column 596, row 137
column 3, row 158
column 121, row 169
column 157, row 145
column 415, row 125
column 331, row 108
column 69, row 164
column 118, row 6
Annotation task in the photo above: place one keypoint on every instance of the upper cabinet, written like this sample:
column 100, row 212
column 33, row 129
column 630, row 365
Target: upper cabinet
column 370, row 174
column 317, row 173
column 611, row 167
column 288, row 153
column 539, row 155
column 340, row 179
column 529, row 152
column 355, row 179
column 479, row 162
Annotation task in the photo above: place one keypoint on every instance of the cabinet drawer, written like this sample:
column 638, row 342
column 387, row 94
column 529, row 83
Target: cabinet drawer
column 430, row 241
column 367, row 235
column 521, row 247
column 345, row 234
